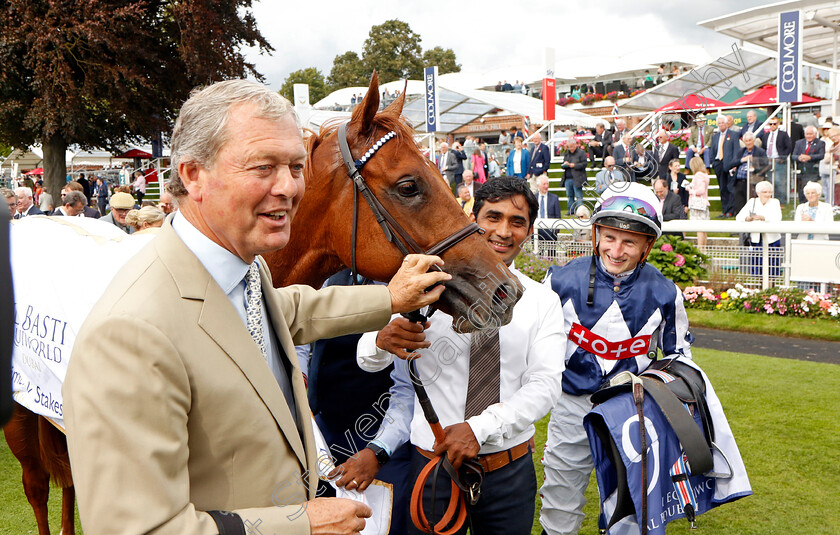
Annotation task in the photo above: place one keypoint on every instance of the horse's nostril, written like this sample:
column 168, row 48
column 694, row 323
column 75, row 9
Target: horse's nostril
column 501, row 293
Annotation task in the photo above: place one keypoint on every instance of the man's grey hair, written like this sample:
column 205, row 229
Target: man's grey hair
column 23, row 191
column 201, row 128
column 541, row 179
column 7, row 193
column 74, row 197
column 748, row 135
column 812, row 128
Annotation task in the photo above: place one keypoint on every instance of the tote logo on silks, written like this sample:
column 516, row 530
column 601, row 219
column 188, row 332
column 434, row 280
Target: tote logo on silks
column 601, row 347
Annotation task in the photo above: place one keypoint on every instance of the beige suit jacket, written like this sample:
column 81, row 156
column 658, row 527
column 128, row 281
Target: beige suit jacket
column 694, row 136
column 171, row 410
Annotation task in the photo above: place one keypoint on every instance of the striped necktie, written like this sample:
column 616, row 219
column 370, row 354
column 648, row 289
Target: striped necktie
column 485, row 370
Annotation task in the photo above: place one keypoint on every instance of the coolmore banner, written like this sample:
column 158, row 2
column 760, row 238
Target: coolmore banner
column 61, row 266
column 432, row 106
column 790, row 57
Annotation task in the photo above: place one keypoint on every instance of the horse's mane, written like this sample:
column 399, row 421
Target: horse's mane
column 388, row 119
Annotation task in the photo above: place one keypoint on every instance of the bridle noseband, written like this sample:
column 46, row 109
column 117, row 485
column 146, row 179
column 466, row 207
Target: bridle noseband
column 392, row 229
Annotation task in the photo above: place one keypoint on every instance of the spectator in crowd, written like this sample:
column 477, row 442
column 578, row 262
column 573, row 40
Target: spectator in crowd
column 807, row 153
column 166, row 203
column 752, row 163
column 499, row 86
column 447, row 164
column 470, row 146
column 100, row 193
column 762, row 208
column 85, row 185
column 642, row 163
column 515, row 133
column 139, row 185
column 549, row 208
column 25, row 203
column 599, row 146
column 469, row 182
column 74, row 205
column 623, row 153
column 460, row 155
column 493, row 169
column 540, row 161
column 610, row 174
column 620, row 131
column 699, row 138
column 144, row 218
column 75, row 186
column 669, row 203
column 813, row 210
column 751, row 126
column 506, row 86
column 45, row 201
column 465, row 199
column 518, row 160
column 825, row 163
column 574, row 164
column 482, row 147
column 504, row 138
column 478, row 167
column 582, row 234
column 778, row 146
column 832, row 160
column 11, row 200
column 724, row 148
column 121, row 204
column 676, row 182
column 698, row 199
column 29, row 183
column 664, row 152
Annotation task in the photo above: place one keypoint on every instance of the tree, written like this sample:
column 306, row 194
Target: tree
column 443, row 58
column 347, row 71
column 393, row 49
column 105, row 73
column 310, row 76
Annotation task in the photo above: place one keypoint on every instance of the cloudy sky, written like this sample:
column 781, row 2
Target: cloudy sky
column 485, row 34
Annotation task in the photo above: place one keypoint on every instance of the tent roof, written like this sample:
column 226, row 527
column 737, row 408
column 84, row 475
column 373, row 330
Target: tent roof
column 766, row 95
column 691, row 103
column 760, row 26
column 747, row 70
column 461, row 106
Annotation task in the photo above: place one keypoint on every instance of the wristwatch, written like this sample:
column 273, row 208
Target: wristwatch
column 382, row 456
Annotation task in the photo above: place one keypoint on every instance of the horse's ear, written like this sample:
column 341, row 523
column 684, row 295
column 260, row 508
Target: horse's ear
column 398, row 104
column 363, row 114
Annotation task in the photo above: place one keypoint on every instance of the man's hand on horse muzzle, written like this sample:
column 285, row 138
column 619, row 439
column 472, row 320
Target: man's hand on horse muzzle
column 402, row 337
column 408, row 286
column 460, row 444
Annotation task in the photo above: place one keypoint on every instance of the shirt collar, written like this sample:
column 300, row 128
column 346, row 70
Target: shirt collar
column 227, row 269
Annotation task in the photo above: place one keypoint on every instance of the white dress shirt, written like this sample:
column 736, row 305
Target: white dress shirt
column 532, row 348
column 228, row 270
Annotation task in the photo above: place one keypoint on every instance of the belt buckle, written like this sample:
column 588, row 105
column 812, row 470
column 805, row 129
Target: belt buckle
column 475, row 493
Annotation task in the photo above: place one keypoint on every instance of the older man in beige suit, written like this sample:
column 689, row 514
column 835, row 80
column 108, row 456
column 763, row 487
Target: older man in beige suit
column 184, row 411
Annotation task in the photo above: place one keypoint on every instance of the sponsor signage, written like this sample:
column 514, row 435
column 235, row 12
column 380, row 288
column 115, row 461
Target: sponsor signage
column 790, row 57
column 432, row 106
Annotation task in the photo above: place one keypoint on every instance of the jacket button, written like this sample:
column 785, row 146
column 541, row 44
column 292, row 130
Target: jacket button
column 616, row 288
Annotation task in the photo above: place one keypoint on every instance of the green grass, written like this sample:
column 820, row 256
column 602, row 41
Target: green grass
column 814, row 328
column 785, row 415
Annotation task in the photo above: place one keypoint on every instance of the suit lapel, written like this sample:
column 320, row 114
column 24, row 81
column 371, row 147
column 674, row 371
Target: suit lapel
column 220, row 322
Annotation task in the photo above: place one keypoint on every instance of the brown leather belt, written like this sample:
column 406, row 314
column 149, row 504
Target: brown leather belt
column 494, row 461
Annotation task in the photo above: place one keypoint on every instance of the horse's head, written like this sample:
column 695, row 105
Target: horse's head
column 411, row 189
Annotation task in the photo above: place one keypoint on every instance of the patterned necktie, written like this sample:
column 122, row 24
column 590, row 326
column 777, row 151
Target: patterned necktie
column 770, row 144
column 483, row 385
column 253, row 306
column 542, row 206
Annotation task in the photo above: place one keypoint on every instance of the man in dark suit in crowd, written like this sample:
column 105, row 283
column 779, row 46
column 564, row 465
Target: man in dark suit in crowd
column 622, row 152
column 807, row 154
column 549, row 207
column 25, row 205
column 74, row 204
column 699, row 139
column 797, row 132
column 75, row 186
column 672, row 207
column 664, row 153
column 724, row 151
column 600, row 146
column 447, row 164
column 469, row 183
column 620, row 130
column 459, row 157
column 778, row 145
column 540, row 160
column 752, row 126
column 85, row 184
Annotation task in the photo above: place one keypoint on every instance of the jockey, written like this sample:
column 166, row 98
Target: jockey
column 616, row 309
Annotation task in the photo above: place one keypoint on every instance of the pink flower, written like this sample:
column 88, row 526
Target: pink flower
column 747, row 306
column 666, row 247
column 680, row 259
column 774, row 298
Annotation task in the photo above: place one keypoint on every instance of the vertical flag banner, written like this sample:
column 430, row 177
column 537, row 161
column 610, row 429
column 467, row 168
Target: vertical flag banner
column 790, row 57
column 432, row 106
column 548, row 90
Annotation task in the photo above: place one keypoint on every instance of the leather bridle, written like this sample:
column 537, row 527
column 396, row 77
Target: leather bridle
column 394, row 232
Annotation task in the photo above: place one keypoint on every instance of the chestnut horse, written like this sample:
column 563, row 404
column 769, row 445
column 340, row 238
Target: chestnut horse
column 482, row 291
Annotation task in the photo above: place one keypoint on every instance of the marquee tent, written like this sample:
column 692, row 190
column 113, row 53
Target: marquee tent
column 766, row 95
column 692, row 102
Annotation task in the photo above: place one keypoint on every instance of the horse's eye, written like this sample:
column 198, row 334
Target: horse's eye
column 407, row 188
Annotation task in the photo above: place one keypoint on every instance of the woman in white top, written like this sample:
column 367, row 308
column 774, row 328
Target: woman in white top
column 762, row 208
column 813, row 210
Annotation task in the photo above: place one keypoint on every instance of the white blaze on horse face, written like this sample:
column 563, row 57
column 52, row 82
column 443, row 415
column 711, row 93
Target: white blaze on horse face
column 247, row 200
